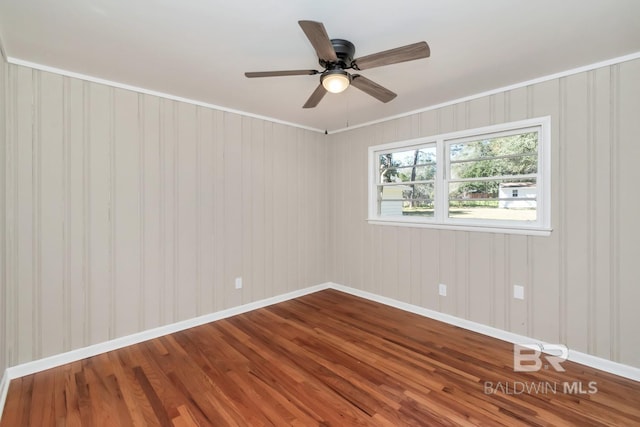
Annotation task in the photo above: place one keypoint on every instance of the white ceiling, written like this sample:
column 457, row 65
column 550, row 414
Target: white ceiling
column 199, row 49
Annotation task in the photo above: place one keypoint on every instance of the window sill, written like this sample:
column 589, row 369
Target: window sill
column 528, row 231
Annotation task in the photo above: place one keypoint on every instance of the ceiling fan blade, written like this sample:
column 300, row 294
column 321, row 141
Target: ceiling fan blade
column 281, row 73
column 393, row 56
column 372, row 88
column 315, row 97
column 319, row 39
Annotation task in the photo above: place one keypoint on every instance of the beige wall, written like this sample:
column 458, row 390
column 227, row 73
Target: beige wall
column 3, row 282
column 126, row 212
column 582, row 284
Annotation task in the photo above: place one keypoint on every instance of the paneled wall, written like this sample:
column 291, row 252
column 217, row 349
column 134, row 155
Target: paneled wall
column 3, row 282
column 582, row 284
column 126, row 211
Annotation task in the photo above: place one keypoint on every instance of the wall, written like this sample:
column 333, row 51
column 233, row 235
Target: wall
column 126, row 211
column 582, row 286
column 3, row 282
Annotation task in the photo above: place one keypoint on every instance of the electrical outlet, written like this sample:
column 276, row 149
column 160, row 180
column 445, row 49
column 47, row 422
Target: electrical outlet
column 442, row 289
column 518, row 292
column 238, row 282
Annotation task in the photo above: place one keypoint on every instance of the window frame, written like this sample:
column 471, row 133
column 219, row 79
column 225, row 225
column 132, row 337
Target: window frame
column 440, row 219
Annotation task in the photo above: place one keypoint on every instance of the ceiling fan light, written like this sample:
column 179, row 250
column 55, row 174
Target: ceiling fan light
column 335, row 81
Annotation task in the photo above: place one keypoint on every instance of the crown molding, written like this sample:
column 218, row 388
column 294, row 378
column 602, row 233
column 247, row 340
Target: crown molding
column 92, row 79
column 590, row 67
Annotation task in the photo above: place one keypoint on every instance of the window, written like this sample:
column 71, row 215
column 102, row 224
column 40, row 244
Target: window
column 407, row 181
column 490, row 179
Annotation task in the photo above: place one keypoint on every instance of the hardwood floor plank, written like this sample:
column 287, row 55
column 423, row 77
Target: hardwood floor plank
column 185, row 419
column 71, row 410
column 42, row 413
column 105, row 405
column 325, row 359
column 156, row 404
column 24, row 401
column 130, row 395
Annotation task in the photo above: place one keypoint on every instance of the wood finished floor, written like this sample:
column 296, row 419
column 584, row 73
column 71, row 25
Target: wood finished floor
column 325, row 359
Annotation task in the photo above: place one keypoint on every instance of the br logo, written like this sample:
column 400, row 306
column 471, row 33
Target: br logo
column 529, row 357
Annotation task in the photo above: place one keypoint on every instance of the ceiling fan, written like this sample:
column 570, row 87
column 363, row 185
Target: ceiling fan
column 336, row 56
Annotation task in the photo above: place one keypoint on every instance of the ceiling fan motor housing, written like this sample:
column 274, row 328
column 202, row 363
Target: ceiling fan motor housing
column 345, row 51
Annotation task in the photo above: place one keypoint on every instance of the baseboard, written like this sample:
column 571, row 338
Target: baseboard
column 29, row 368
column 589, row 360
column 4, row 389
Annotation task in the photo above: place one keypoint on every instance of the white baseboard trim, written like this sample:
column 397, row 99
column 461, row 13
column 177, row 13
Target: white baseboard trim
column 606, row 365
column 4, row 389
column 29, row 368
column 93, row 350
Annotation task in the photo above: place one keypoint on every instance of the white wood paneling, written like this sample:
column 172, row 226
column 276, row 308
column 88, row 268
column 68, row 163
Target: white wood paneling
column 581, row 285
column 126, row 212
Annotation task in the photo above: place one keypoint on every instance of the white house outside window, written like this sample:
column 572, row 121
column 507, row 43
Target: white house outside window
column 489, row 179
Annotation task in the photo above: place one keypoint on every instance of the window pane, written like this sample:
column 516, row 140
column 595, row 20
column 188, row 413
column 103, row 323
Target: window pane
column 397, row 200
column 506, row 155
column 515, row 165
column 425, row 173
column 414, row 173
column 524, row 143
column 400, row 166
column 513, row 200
